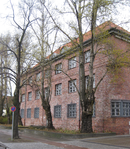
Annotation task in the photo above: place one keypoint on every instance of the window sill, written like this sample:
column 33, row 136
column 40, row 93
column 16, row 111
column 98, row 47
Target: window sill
column 71, row 68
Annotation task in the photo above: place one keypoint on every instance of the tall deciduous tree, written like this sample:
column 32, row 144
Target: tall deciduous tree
column 16, row 50
column 85, row 13
column 45, row 46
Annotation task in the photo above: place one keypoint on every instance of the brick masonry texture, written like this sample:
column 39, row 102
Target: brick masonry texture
column 106, row 92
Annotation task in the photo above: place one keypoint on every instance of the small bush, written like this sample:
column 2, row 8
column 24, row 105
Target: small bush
column 3, row 120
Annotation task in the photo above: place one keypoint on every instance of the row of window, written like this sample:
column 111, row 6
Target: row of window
column 58, row 89
column 71, row 111
column 36, row 113
column 58, row 67
column 118, row 109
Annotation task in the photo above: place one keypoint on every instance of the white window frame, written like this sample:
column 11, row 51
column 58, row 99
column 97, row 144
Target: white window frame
column 72, row 62
column 72, row 110
column 46, row 73
column 57, row 111
column 23, row 97
column 37, row 92
column 46, row 90
column 29, row 96
column 58, row 68
column 72, row 87
column 86, row 81
column 38, row 76
column 58, row 89
column 87, row 56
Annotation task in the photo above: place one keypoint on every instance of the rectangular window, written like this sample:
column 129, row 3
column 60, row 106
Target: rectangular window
column 38, row 76
column 72, row 87
column 23, row 97
column 37, row 94
column 87, row 56
column 71, row 111
column 30, row 80
column 29, row 113
column 126, row 108
column 116, row 108
column 72, row 63
column 57, row 111
column 58, row 68
column 46, row 92
column 86, row 81
column 23, row 82
column 36, row 113
column 58, row 89
column 29, row 96
column 22, row 113
column 46, row 73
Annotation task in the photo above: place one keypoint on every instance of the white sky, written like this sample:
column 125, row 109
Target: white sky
column 5, row 25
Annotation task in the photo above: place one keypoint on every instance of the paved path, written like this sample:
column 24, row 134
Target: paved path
column 29, row 141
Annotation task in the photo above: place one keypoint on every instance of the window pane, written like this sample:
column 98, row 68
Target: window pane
column 37, row 94
column 36, row 113
column 126, row 109
column 72, row 110
column 58, row 89
column 115, row 108
column 29, row 113
column 72, row 87
column 57, row 111
column 72, row 62
column 37, row 76
column 58, row 68
column 23, row 97
column 30, row 96
column 87, row 56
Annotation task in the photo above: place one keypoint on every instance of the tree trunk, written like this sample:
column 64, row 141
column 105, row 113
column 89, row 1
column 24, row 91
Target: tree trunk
column 16, row 115
column 86, row 123
column 49, row 118
column 20, row 120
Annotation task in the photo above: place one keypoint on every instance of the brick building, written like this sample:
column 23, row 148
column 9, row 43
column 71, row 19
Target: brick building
column 111, row 111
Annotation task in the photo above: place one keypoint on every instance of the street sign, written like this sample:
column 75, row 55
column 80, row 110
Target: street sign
column 13, row 108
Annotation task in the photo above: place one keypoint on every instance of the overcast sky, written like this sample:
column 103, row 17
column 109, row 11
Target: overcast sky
column 5, row 25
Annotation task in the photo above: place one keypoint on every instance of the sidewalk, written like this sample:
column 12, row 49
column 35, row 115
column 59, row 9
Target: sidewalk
column 31, row 141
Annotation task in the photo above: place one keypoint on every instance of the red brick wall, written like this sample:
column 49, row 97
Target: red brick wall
column 103, row 122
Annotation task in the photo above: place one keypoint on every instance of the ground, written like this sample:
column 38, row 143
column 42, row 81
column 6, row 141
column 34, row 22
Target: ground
column 36, row 141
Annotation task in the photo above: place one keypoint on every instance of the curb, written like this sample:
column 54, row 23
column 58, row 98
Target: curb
column 65, row 136
column 61, row 135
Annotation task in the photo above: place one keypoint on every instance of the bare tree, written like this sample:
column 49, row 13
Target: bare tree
column 45, row 46
column 85, row 13
column 16, row 50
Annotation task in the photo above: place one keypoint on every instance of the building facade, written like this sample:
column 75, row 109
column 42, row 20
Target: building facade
column 111, row 110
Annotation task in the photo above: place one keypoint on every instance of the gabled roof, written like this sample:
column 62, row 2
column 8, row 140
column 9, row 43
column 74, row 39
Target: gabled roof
column 106, row 26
